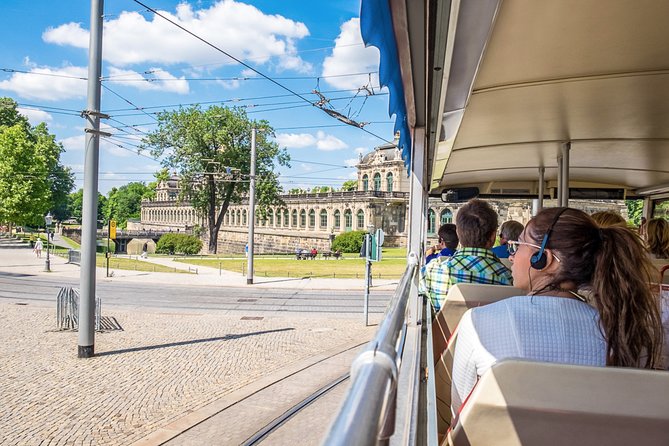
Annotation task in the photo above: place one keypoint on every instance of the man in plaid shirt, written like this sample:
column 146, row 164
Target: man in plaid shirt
column 474, row 262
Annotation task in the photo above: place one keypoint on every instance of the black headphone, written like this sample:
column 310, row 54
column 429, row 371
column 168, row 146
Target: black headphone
column 539, row 259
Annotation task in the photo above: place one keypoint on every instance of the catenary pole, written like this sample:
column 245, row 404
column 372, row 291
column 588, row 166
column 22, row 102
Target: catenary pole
column 252, row 209
column 86, row 348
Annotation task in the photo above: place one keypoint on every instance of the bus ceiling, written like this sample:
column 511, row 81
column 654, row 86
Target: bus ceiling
column 502, row 87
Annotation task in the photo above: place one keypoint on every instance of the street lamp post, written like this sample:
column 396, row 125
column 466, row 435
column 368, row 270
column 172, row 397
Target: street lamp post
column 47, row 219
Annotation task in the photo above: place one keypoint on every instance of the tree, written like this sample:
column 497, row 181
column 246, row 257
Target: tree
column 210, row 151
column 321, row 189
column 297, row 191
column 349, row 185
column 634, row 211
column 32, row 180
column 125, row 203
column 76, row 200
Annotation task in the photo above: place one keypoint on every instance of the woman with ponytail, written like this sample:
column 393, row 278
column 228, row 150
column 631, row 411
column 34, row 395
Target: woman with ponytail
column 561, row 257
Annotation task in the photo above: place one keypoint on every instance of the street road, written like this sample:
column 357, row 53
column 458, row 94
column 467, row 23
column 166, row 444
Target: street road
column 28, row 288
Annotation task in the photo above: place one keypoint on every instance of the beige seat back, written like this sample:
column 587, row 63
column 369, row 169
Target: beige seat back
column 459, row 299
column 531, row 403
column 506, row 262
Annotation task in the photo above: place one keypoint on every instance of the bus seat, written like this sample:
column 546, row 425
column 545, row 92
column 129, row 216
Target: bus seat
column 463, row 296
column 459, row 299
column 506, row 262
column 531, row 403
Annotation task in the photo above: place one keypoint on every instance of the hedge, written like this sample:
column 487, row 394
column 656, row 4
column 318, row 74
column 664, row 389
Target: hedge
column 178, row 244
column 349, row 241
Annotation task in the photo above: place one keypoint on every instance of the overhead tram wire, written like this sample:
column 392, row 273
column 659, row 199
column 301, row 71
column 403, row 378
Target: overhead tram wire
column 36, row 73
column 234, row 78
column 278, row 84
column 276, row 96
column 129, row 102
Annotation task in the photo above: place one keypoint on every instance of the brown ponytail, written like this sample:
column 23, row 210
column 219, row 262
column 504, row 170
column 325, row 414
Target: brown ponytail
column 613, row 263
column 628, row 309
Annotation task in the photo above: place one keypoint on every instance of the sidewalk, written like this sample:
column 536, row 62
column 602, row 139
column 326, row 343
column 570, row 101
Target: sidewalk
column 24, row 261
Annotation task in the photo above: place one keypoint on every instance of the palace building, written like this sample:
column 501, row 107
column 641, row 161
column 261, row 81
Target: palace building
column 314, row 219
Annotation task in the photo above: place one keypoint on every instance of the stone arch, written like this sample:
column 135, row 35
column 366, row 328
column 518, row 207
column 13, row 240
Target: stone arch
column 389, row 182
column 360, row 220
column 312, row 218
column 446, row 216
column 377, row 182
column 365, row 182
column 431, row 222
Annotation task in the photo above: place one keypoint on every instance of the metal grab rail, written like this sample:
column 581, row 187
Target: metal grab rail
column 371, row 397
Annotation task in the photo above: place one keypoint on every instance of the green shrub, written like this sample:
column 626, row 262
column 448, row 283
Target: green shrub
column 349, row 241
column 178, row 244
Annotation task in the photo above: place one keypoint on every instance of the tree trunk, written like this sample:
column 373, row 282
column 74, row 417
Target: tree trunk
column 215, row 221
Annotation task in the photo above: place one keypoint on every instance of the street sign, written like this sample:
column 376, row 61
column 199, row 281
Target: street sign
column 112, row 229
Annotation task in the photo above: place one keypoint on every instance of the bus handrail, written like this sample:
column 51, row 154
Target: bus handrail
column 374, row 376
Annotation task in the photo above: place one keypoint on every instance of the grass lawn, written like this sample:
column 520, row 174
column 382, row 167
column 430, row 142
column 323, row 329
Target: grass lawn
column 133, row 265
column 290, row 267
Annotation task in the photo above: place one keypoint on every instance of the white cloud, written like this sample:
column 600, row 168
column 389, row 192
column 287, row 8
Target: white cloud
column 360, row 150
column 50, row 86
column 158, row 79
column 35, row 116
column 322, row 141
column 352, row 162
column 349, row 57
column 328, row 142
column 295, row 140
column 240, row 29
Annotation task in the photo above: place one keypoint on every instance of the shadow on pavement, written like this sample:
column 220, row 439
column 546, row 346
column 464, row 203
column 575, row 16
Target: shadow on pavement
column 194, row 341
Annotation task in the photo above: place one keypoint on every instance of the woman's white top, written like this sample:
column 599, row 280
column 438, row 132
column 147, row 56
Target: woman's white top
column 541, row 328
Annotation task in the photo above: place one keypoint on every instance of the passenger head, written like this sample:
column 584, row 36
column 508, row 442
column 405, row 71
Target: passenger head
column 611, row 262
column 476, row 224
column 448, row 236
column 608, row 218
column 510, row 230
column 657, row 237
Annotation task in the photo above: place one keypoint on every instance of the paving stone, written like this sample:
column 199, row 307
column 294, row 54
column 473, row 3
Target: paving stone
column 162, row 367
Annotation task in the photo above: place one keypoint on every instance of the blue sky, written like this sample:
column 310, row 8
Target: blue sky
column 150, row 65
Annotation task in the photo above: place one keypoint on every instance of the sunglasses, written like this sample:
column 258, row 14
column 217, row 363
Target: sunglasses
column 514, row 245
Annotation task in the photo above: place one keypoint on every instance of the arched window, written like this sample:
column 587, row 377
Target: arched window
column 348, row 219
column 303, row 218
column 389, row 181
column 244, row 217
column 286, row 218
column 312, row 218
column 270, row 217
column 361, row 219
column 294, row 218
column 324, row 218
column 431, row 222
column 337, row 219
column 377, row 181
column 446, row 216
column 365, row 182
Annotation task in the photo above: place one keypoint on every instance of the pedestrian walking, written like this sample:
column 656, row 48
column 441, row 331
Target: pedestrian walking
column 38, row 248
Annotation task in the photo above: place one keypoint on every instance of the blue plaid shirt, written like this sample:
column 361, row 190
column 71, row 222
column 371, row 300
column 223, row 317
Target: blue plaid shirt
column 468, row 265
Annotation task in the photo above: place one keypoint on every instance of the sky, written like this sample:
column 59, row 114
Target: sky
column 150, row 65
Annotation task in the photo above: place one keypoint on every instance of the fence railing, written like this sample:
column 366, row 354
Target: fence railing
column 74, row 256
column 368, row 412
column 67, row 310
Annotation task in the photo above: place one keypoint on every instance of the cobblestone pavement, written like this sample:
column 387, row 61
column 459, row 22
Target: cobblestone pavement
column 162, row 367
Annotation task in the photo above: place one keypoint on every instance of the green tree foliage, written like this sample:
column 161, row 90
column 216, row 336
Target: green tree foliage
column 321, row 189
column 179, row 244
column 161, row 175
column 210, row 150
column 349, row 241
column 349, row 185
column 32, row 180
column 75, row 202
column 297, row 191
column 125, row 203
column 634, row 211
